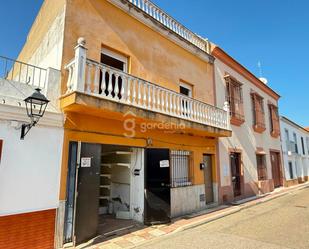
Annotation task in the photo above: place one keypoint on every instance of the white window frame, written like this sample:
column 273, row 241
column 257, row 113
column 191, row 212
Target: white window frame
column 116, row 56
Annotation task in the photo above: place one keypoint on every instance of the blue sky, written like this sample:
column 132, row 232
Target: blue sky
column 274, row 32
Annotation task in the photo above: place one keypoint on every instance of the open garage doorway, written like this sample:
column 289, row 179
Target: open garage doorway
column 105, row 191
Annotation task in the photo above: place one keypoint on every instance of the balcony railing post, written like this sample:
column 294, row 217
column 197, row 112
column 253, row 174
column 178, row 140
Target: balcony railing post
column 226, row 108
column 80, row 65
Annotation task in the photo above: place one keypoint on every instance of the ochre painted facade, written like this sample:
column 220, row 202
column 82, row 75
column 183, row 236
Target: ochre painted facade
column 49, row 11
column 152, row 57
column 92, row 129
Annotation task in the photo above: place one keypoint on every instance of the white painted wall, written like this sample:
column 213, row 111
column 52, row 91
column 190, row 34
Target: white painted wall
column 29, row 169
column 244, row 137
column 137, row 186
column 299, row 160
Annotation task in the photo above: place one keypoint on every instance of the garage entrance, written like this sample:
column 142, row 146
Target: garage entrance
column 105, row 191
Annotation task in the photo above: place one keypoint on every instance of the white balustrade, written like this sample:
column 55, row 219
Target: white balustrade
column 169, row 22
column 99, row 80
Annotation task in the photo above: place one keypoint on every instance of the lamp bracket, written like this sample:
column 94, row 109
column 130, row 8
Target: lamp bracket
column 25, row 128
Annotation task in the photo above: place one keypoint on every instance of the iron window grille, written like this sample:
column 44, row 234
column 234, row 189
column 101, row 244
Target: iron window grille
column 181, row 168
column 234, row 97
column 261, row 167
column 258, row 110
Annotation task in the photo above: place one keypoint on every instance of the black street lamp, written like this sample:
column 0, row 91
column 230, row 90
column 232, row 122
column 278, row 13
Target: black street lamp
column 36, row 105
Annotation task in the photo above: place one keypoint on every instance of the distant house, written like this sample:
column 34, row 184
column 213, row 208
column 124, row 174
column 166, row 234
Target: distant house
column 295, row 148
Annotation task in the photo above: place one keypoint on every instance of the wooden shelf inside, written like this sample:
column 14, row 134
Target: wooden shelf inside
column 104, row 197
column 106, row 175
column 116, row 164
column 117, row 153
column 105, row 186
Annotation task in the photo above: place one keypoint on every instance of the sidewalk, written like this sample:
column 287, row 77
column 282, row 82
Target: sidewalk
column 186, row 222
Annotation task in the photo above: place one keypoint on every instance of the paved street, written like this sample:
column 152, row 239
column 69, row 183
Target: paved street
column 280, row 223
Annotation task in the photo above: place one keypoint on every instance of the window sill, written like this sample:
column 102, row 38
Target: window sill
column 237, row 121
column 259, row 129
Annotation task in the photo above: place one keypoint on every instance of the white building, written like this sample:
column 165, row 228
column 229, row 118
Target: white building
column 295, row 148
column 250, row 160
column 29, row 168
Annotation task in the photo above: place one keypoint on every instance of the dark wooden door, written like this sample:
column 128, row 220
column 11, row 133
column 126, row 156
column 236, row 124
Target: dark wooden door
column 275, row 167
column 88, row 187
column 209, row 192
column 157, row 186
column 236, row 173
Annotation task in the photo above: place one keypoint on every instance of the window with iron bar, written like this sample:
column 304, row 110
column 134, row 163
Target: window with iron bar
column 261, row 167
column 258, row 111
column 234, row 97
column 181, row 168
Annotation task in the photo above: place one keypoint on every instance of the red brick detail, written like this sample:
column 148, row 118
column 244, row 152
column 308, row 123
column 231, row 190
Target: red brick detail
column 28, row 231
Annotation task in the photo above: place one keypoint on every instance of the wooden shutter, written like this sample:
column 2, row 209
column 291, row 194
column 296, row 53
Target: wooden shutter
column 234, row 97
column 274, row 120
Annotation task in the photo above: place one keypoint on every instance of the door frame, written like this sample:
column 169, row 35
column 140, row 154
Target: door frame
column 78, row 156
column 79, row 149
column 241, row 169
column 281, row 172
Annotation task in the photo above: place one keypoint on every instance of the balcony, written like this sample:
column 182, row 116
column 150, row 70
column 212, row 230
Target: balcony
column 90, row 78
column 19, row 79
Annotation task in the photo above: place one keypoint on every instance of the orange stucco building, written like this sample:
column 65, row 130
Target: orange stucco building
column 141, row 122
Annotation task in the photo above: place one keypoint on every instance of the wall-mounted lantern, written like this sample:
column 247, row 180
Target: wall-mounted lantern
column 36, row 105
